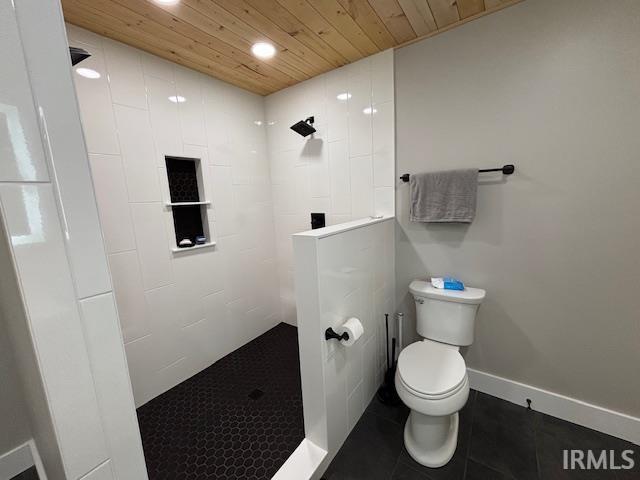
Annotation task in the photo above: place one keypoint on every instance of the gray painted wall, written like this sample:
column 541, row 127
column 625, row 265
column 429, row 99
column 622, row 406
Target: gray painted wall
column 553, row 87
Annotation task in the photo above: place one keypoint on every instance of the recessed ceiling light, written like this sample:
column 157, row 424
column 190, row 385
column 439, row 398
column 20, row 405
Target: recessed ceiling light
column 258, row 122
column 87, row 72
column 166, row 2
column 263, row 50
column 343, row 96
column 177, row 99
column 369, row 111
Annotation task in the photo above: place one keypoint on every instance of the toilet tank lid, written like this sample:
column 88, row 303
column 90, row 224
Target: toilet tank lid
column 470, row 295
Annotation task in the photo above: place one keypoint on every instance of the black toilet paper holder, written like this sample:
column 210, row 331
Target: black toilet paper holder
column 330, row 333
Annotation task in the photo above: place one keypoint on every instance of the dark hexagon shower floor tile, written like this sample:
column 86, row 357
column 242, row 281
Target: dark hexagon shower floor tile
column 240, row 418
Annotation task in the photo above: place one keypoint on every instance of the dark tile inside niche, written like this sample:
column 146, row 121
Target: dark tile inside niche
column 209, row 428
column 183, row 179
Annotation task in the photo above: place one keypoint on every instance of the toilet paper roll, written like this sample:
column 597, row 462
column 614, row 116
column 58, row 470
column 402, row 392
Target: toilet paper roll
column 354, row 328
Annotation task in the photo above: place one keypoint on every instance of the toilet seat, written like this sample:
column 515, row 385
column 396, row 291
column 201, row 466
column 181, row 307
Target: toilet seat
column 432, row 370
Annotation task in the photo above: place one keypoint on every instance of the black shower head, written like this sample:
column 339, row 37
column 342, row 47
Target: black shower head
column 78, row 55
column 304, row 128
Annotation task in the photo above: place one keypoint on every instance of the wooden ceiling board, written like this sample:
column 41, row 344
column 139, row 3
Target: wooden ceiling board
column 305, row 13
column 365, row 16
column 310, row 36
column 445, row 12
column 468, row 8
column 308, row 61
column 337, row 16
column 395, row 19
column 419, row 15
column 290, row 24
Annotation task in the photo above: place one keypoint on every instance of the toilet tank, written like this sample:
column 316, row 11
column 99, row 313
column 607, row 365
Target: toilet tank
column 446, row 316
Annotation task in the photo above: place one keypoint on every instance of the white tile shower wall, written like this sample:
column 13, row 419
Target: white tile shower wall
column 347, row 274
column 346, row 169
column 179, row 312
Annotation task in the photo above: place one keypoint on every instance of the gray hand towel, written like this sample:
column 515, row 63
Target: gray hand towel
column 448, row 196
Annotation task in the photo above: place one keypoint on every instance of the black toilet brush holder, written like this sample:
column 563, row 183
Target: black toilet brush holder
column 387, row 393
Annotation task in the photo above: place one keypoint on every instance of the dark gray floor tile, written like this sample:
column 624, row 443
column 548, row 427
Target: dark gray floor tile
column 554, row 435
column 379, row 435
column 477, row 471
column 395, row 413
column 405, row 472
column 353, row 462
column 454, row 470
column 503, row 437
column 370, row 451
column 28, row 474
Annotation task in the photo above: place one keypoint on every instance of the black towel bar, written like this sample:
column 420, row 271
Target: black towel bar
column 506, row 170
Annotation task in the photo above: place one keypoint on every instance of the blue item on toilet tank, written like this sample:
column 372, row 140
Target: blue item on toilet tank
column 447, row 283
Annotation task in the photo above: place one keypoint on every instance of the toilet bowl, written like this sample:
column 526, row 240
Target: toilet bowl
column 431, row 379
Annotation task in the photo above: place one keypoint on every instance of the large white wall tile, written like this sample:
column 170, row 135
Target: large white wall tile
column 360, row 113
column 216, row 130
column 340, row 177
column 166, row 326
column 157, row 67
column 129, row 293
column 382, row 77
column 361, row 186
column 113, row 204
column 153, row 247
column 110, row 372
column 20, row 143
column 191, row 111
column 383, row 145
column 164, row 118
column 223, row 200
column 338, row 94
column 384, row 201
column 188, row 281
column 96, row 108
column 126, row 79
column 138, row 154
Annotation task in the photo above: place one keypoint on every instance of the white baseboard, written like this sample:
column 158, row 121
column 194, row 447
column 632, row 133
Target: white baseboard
column 575, row 411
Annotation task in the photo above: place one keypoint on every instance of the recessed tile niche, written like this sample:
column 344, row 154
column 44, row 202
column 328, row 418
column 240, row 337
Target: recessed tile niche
column 189, row 207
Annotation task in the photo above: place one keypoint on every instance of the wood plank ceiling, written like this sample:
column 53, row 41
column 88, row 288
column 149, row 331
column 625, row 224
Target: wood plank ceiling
column 311, row 36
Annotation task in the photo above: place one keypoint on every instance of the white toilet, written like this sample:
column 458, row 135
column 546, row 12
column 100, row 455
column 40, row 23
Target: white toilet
column 431, row 378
